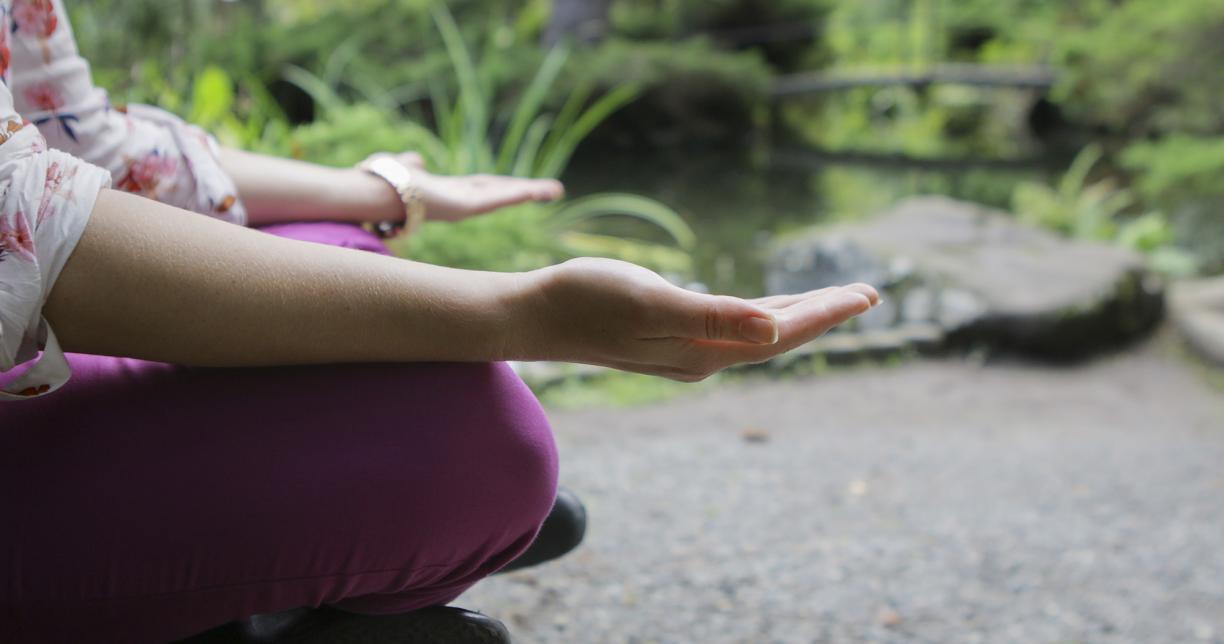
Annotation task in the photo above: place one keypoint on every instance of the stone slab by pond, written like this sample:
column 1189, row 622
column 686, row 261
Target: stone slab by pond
column 980, row 277
column 1197, row 309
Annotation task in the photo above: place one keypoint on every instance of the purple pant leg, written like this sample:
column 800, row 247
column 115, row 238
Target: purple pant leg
column 145, row 502
column 332, row 234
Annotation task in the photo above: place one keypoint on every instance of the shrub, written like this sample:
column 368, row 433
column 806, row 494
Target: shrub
column 1084, row 209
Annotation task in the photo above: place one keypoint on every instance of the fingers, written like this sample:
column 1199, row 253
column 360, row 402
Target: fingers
column 520, row 190
column 412, row 160
column 729, row 319
column 697, row 316
column 547, row 190
column 802, row 323
column 783, row 301
column 866, row 290
column 486, row 193
column 696, row 356
column 807, row 320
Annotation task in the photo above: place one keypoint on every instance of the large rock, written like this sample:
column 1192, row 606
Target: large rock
column 1197, row 309
column 983, row 278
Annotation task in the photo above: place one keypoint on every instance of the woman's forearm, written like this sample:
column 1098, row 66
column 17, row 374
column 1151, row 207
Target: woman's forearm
column 150, row 281
column 154, row 282
column 277, row 190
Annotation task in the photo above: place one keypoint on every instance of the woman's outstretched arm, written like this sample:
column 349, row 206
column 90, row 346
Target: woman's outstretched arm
column 275, row 190
column 150, row 281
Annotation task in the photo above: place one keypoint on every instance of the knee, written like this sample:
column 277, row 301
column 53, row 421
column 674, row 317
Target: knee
column 516, row 456
column 505, row 445
column 450, row 486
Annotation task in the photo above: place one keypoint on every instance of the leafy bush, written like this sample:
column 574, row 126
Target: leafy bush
column 532, row 142
column 1145, row 67
column 785, row 33
column 1097, row 211
column 690, row 91
column 1177, row 166
column 1181, row 173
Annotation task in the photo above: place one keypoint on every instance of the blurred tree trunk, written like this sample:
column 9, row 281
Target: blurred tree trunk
column 583, row 21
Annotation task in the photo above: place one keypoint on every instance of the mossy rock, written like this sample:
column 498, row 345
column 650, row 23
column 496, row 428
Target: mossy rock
column 997, row 283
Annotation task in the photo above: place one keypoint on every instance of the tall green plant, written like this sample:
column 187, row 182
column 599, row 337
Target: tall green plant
column 533, row 142
column 536, row 143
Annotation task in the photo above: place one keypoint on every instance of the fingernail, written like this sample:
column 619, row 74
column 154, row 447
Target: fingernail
column 759, row 331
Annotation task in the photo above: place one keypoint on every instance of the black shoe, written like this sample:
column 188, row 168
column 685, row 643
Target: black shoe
column 562, row 531
column 436, row 625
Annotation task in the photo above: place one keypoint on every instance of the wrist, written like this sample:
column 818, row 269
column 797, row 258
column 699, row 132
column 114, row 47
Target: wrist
column 376, row 200
column 524, row 317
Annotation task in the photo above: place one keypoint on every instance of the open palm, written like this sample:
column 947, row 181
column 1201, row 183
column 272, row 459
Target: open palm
column 615, row 314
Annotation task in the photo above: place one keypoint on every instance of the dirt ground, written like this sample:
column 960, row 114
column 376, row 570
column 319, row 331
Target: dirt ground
column 936, row 501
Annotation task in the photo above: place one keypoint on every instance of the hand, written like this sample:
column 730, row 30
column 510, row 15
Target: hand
column 455, row 198
column 611, row 313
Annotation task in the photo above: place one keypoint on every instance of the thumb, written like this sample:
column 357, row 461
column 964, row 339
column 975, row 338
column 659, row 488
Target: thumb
column 719, row 317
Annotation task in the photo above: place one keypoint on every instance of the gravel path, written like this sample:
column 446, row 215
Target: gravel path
column 937, row 501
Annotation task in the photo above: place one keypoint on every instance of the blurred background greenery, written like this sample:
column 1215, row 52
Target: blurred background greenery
column 702, row 116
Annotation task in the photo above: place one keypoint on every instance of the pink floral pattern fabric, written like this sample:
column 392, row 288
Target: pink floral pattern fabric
column 48, row 186
column 148, row 151
column 45, row 200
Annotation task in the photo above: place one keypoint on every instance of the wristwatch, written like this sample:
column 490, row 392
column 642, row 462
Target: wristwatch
column 387, row 168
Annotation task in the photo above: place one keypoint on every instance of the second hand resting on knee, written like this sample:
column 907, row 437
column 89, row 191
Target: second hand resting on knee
column 154, row 282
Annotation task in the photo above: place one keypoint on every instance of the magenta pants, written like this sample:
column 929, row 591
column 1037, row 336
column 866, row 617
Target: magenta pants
column 146, row 502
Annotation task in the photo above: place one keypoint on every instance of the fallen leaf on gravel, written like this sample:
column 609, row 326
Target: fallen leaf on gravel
column 755, row 435
column 888, row 618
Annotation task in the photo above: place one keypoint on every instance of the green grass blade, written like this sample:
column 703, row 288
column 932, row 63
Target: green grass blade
column 530, row 147
column 373, row 91
column 655, row 256
column 559, row 155
column 319, row 91
column 627, row 205
column 566, row 117
column 529, row 106
column 1076, row 178
column 472, row 99
column 339, row 60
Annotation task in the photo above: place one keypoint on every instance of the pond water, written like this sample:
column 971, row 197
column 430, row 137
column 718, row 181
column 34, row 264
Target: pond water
column 739, row 206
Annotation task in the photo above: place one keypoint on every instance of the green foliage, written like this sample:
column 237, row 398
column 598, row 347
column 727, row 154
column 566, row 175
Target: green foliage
column 345, row 134
column 616, row 389
column 1145, row 66
column 1177, row 166
column 1082, row 209
column 250, row 120
column 336, row 56
column 690, row 90
column 770, row 30
column 391, row 74
column 536, row 143
column 1074, row 206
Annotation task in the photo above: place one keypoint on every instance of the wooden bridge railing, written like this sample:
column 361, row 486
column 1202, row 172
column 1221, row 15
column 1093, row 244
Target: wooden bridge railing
column 1019, row 77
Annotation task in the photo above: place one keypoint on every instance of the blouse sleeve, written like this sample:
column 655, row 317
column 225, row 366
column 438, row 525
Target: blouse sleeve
column 45, row 200
column 147, row 151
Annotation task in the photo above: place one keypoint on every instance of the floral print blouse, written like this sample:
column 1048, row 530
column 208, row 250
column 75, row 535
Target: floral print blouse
column 61, row 142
